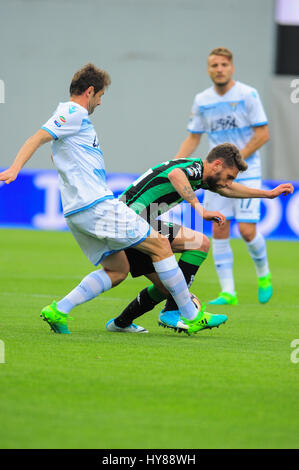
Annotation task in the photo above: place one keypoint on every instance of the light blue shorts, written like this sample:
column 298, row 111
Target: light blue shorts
column 106, row 228
column 242, row 210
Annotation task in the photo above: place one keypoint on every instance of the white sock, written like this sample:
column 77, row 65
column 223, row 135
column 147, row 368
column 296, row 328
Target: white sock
column 174, row 281
column 258, row 252
column 90, row 287
column 223, row 259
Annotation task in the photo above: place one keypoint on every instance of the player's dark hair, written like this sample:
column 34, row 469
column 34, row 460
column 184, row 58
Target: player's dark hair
column 229, row 154
column 87, row 76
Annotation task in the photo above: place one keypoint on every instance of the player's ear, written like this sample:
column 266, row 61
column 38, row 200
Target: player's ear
column 90, row 91
column 217, row 165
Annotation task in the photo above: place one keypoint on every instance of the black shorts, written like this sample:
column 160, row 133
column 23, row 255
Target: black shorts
column 140, row 263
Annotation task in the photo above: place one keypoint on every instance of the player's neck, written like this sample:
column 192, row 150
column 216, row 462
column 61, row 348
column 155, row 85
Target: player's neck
column 81, row 100
column 205, row 171
column 222, row 90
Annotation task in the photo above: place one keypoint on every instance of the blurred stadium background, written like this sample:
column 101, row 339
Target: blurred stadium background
column 156, row 53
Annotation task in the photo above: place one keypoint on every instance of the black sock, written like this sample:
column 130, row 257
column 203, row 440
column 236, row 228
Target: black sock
column 189, row 271
column 142, row 304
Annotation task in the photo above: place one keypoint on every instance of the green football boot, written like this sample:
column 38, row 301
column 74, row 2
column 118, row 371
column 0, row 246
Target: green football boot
column 265, row 289
column 204, row 320
column 55, row 319
column 225, row 298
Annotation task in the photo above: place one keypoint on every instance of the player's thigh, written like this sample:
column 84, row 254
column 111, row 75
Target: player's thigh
column 156, row 246
column 188, row 239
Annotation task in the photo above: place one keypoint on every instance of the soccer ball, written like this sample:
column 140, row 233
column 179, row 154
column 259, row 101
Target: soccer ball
column 196, row 301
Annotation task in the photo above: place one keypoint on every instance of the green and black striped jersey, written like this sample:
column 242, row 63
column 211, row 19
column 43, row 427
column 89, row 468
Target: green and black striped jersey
column 152, row 193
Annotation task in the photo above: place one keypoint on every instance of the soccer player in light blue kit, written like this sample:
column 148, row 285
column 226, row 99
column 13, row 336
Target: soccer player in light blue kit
column 231, row 111
column 102, row 225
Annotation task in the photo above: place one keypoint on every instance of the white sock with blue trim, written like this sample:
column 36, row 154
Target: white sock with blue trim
column 258, row 252
column 174, row 281
column 90, row 287
column 223, row 259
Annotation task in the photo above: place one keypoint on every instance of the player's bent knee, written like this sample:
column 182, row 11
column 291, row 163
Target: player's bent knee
column 247, row 232
column 205, row 244
column 247, row 236
column 200, row 242
column 118, row 277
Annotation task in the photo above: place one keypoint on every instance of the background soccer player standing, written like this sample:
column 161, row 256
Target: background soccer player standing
column 231, row 111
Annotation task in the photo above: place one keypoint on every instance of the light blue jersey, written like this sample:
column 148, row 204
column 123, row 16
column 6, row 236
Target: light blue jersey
column 78, row 158
column 230, row 118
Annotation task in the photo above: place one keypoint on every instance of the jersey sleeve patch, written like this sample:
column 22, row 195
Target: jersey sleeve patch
column 64, row 123
column 194, row 171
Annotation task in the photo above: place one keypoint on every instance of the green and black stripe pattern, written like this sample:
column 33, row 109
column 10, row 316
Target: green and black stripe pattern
column 152, row 194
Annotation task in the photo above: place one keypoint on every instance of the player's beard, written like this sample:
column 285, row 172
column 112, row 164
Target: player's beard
column 222, row 84
column 90, row 108
column 213, row 181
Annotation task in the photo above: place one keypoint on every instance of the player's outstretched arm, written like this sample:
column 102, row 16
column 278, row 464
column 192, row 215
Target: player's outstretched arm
column 24, row 154
column 243, row 192
column 181, row 184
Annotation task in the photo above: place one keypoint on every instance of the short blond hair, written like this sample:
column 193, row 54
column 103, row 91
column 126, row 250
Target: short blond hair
column 222, row 51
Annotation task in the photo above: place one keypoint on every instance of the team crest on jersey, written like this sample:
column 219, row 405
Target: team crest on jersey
column 234, row 105
column 57, row 124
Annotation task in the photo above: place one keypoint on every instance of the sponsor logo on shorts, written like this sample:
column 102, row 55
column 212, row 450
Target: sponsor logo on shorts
column 57, row 123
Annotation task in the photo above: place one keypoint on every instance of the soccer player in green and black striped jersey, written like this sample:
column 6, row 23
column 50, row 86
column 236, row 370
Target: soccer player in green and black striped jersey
column 161, row 188
column 151, row 195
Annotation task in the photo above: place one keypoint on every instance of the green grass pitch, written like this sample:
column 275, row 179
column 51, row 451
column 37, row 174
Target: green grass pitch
column 232, row 387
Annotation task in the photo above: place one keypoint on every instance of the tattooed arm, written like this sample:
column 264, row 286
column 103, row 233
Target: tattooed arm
column 181, row 184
